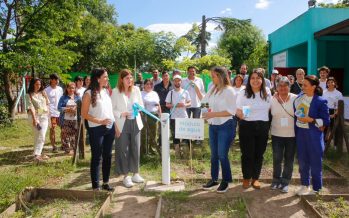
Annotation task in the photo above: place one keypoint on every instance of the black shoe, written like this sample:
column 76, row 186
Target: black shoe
column 210, row 185
column 223, row 187
column 107, row 188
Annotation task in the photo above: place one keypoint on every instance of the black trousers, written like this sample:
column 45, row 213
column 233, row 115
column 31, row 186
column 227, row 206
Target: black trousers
column 253, row 142
column 101, row 142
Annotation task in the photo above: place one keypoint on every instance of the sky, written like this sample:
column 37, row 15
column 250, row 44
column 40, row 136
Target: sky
column 177, row 16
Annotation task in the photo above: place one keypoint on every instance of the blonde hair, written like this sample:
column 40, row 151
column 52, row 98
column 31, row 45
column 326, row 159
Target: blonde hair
column 300, row 70
column 222, row 75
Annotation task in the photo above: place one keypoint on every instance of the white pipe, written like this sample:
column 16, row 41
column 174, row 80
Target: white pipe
column 165, row 148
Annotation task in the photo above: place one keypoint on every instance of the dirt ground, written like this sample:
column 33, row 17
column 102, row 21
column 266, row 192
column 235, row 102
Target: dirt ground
column 261, row 203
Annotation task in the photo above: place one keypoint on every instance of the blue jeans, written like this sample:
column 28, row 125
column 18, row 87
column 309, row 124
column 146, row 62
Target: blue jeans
column 284, row 149
column 196, row 111
column 221, row 137
column 101, row 142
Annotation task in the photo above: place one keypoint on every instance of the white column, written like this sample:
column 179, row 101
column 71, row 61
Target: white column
column 165, row 147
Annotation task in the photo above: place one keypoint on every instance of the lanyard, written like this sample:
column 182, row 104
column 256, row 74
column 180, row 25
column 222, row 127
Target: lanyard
column 284, row 102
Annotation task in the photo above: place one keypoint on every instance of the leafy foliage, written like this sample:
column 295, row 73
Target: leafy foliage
column 203, row 63
column 243, row 42
column 339, row 4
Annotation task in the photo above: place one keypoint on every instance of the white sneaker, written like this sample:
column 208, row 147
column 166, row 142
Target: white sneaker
column 312, row 192
column 128, row 182
column 137, row 178
column 304, row 190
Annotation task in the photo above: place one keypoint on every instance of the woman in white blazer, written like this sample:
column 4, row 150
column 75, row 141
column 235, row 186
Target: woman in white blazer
column 127, row 143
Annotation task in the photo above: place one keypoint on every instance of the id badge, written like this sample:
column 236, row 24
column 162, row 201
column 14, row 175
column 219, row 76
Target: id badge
column 284, row 122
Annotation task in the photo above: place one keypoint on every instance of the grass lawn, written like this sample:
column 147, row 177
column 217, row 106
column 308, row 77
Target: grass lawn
column 18, row 171
column 16, row 167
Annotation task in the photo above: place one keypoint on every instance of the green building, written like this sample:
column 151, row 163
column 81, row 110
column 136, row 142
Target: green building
column 318, row 37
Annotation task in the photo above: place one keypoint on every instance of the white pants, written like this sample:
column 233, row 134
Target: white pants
column 39, row 135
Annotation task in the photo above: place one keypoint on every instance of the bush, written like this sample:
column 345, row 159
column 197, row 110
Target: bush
column 4, row 116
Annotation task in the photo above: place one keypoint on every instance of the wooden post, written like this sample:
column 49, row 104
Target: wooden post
column 338, row 135
column 337, row 132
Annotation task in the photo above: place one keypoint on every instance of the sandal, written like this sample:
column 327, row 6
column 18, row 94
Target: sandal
column 45, row 157
column 38, row 158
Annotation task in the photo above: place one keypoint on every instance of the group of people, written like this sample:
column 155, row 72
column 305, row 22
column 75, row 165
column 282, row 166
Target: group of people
column 295, row 112
column 51, row 107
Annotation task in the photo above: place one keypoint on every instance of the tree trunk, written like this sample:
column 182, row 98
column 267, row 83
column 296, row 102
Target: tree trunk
column 11, row 99
column 203, row 37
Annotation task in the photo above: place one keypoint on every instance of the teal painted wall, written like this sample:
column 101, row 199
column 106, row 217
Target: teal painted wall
column 297, row 56
column 302, row 28
column 346, row 68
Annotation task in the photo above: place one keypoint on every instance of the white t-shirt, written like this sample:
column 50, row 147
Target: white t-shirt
column 195, row 101
column 332, row 98
column 173, row 97
column 81, row 91
column 151, row 101
column 103, row 108
column 155, row 82
column 54, row 94
column 259, row 108
column 267, row 83
column 323, row 85
column 238, row 90
column 69, row 116
column 222, row 101
column 282, row 124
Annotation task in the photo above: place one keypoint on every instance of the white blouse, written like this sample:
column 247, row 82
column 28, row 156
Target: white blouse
column 282, row 124
column 332, row 98
column 222, row 101
column 151, row 101
column 195, row 101
column 103, row 108
column 258, row 106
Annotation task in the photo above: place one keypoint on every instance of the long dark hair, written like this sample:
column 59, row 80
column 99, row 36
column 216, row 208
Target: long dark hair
column 32, row 83
column 85, row 78
column 94, row 85
column 332, row 79
column 249, row 92
column 314, row 81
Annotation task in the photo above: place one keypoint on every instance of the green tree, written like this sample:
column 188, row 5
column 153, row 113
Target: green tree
column 259, row 57
column 203, row 63
column 36, row 34
column 98, row 35
column 101, row 10
column 194, row 36
column 339, row 4
column 239, row 41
